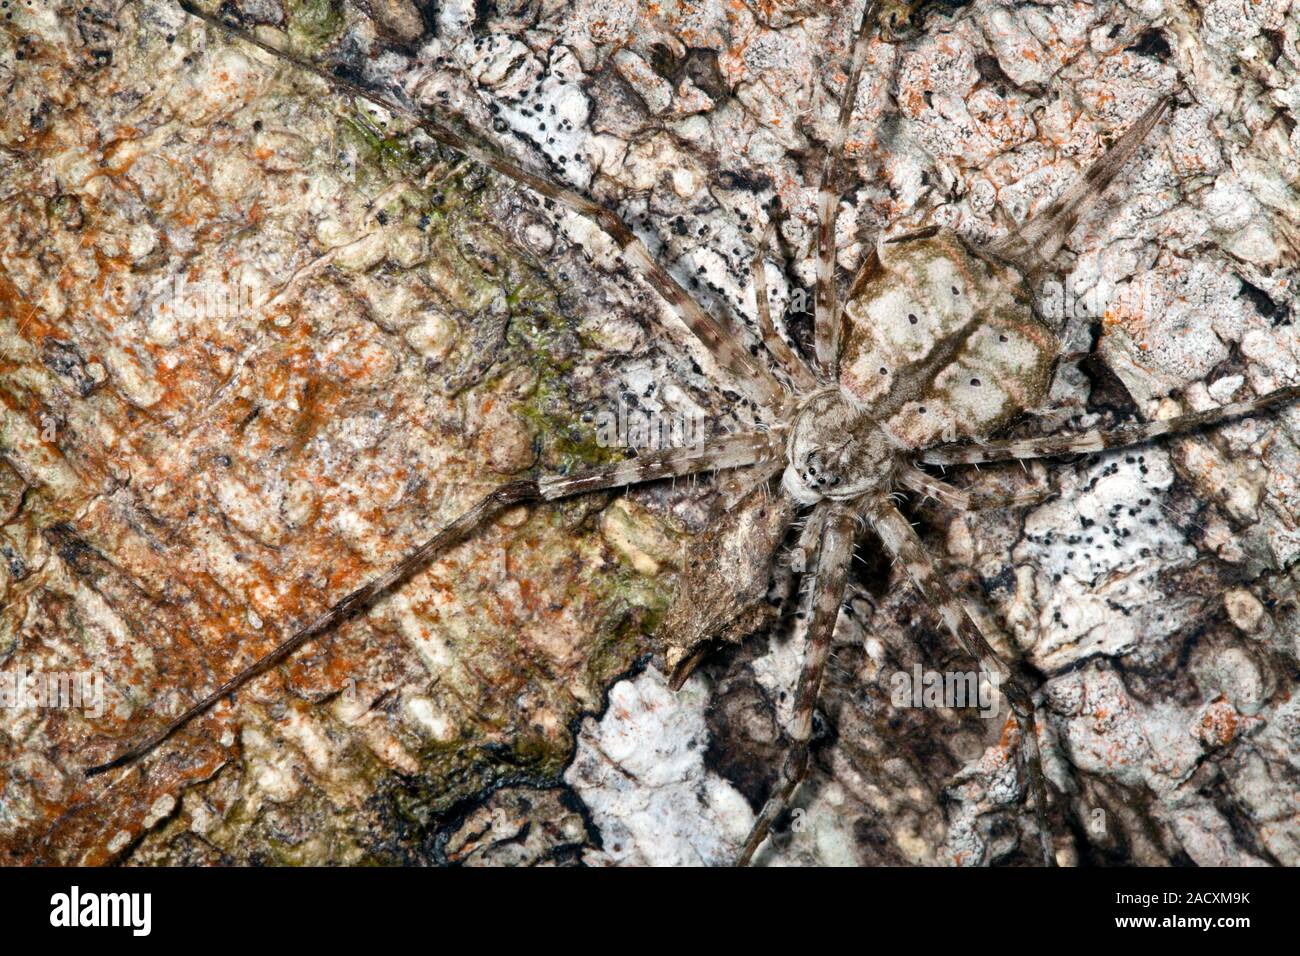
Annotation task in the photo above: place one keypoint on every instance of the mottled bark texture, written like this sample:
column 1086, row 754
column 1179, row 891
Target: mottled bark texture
column 256, row 341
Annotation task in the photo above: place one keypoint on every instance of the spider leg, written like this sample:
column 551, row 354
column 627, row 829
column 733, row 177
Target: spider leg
column 804, row 553
column 826, row 322
column 733, row 451
column 834, row 554
column 898, row 536
column 801, row 377
column 1096, row 440
column 1037, row 241
column 737, row 485
column 969, row 499
column 749, row 374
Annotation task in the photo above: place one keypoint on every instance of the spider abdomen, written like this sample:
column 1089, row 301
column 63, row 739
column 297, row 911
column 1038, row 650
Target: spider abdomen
column 940, row 346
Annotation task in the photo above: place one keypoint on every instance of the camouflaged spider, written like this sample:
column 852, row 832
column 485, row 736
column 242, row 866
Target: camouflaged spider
column 942, row 348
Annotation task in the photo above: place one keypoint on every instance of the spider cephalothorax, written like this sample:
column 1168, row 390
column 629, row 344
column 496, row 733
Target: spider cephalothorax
column 837, row 450
column 941, row 347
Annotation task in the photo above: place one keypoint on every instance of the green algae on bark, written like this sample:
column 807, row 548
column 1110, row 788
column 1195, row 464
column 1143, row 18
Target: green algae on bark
column 313, row 23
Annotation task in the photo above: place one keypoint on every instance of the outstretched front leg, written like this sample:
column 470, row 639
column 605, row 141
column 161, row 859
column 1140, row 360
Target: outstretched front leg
column 734, row 451
column 1035, row 243
column 751, row 375
column 834, row 553
column 898, row 537
column 1097, row 440
column 826, row 317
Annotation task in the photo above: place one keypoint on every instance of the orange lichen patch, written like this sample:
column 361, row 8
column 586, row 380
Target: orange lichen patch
column 923, row 75
column 1219, row 723
column 1127, row 310
column 1010, row 734
column 128, row 803
column 25, row 316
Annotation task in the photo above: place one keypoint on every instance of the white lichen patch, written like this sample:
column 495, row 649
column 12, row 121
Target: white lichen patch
column 641, row 772
column 1085, row 581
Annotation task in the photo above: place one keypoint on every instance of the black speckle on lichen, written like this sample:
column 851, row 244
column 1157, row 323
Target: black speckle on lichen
column 1275, row 312
column 1151, row 43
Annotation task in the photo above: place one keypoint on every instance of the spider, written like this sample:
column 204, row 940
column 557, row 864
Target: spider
column 936, row 345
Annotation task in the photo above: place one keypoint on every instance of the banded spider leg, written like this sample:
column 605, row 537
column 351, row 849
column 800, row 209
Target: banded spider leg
column 900, row 539
column 834, row 552
column 1122, row 436
column 898, row 536
column 834, row 522
column 826, row 316
column 969, row 499
column 1034, row 245
column 731, row 452
column 750, row 375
